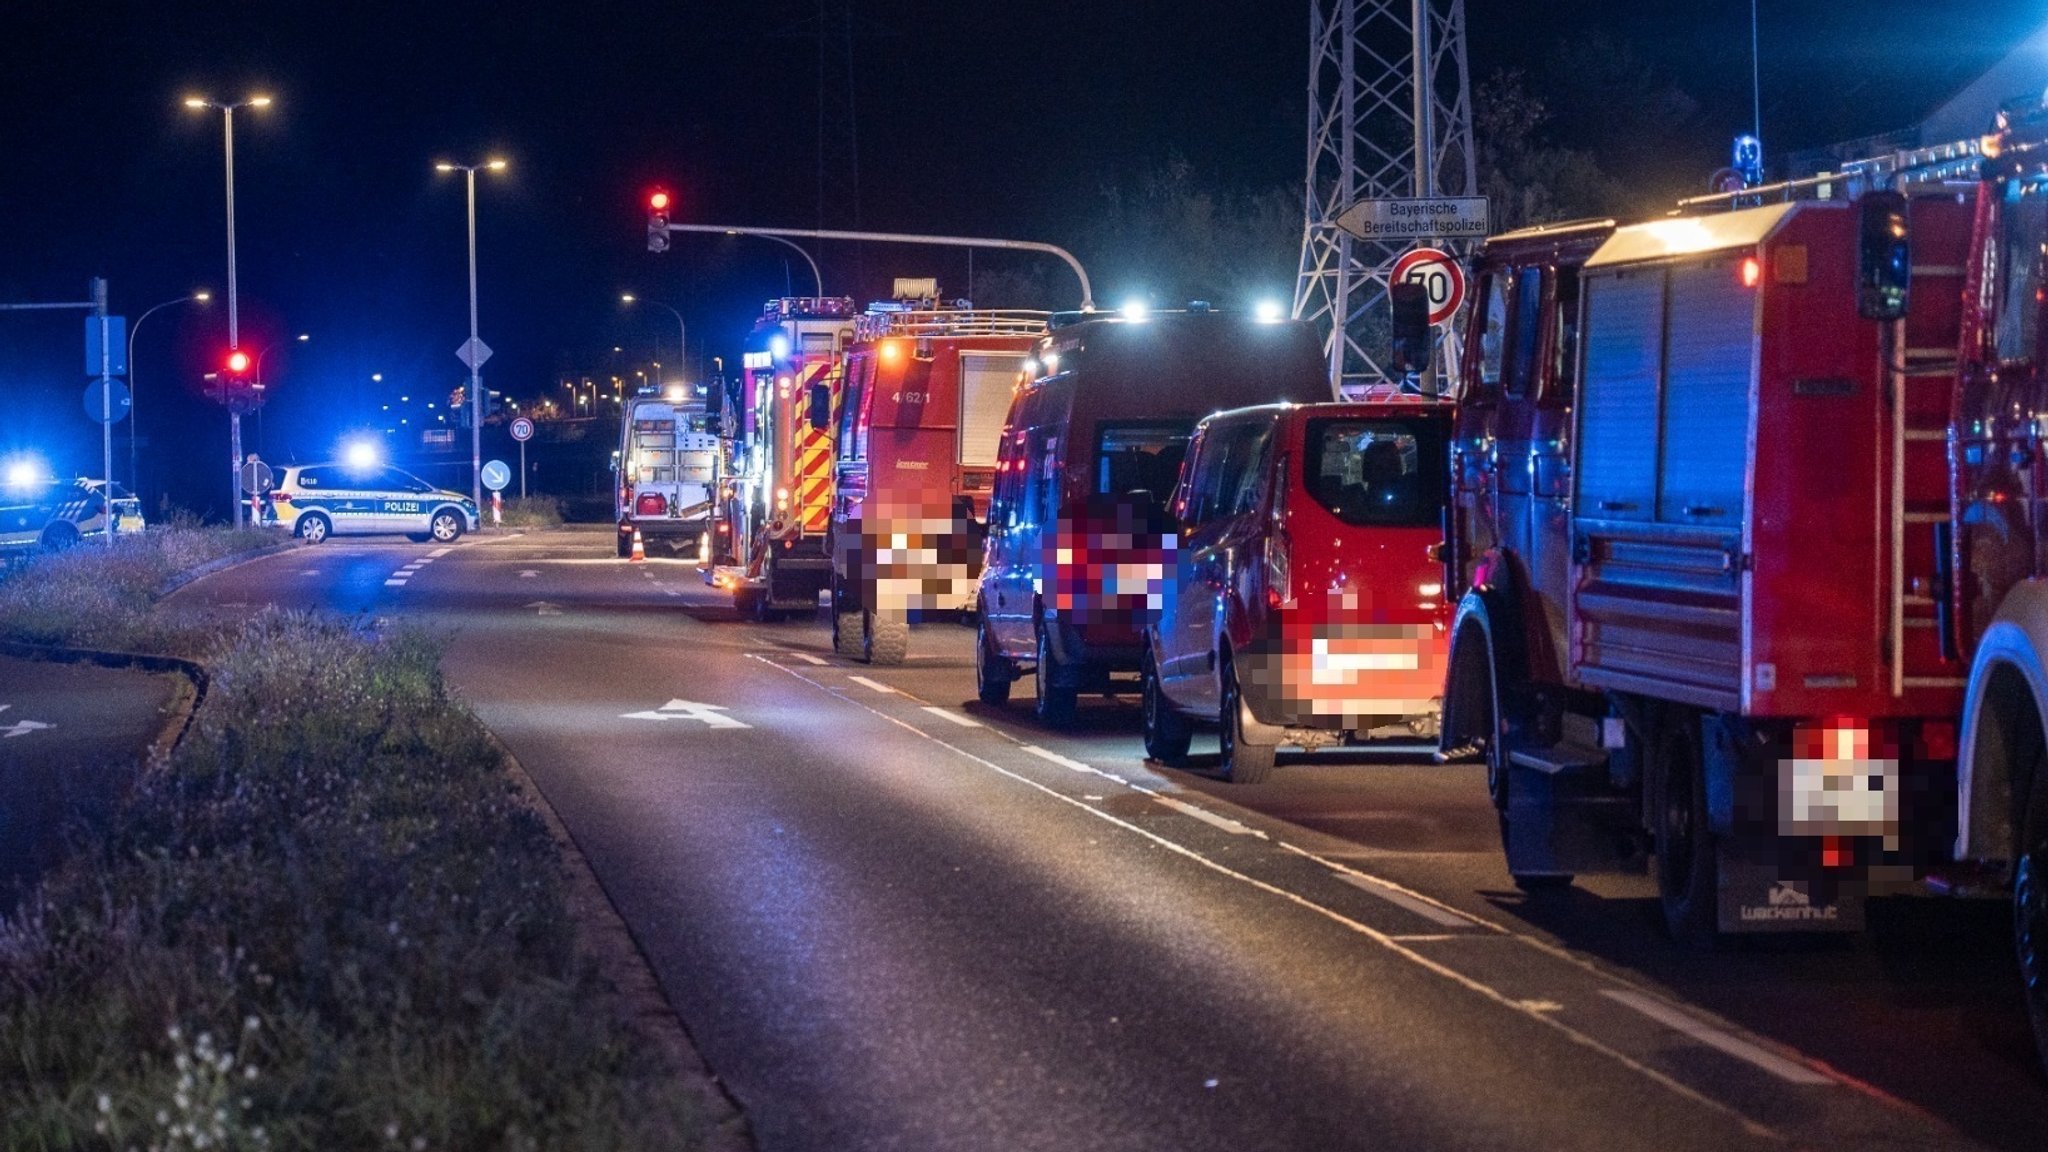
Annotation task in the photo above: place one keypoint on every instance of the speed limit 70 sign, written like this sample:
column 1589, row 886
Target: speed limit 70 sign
column 1438, row 274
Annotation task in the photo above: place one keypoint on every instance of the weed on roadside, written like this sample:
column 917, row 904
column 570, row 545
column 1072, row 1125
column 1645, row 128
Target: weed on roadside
column 329, row 921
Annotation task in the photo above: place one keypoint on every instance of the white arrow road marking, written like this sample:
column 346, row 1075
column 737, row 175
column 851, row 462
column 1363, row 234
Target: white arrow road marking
column 543, row 608
column 24, row 727
column 711, row 714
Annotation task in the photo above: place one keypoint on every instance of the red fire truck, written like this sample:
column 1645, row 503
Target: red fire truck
column 1697, row 479
column 926, row 389
column 775, row 493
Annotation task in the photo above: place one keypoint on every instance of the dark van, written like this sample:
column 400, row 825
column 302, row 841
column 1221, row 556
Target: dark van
column 1080, row 541
column 1306, row 606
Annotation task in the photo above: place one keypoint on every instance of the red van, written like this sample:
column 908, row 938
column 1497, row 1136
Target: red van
column 1079, row 543
column 1307, row 603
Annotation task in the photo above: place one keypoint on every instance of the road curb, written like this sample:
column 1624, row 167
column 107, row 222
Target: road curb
column 193, row 672
column 621, row 961
column 221, row 565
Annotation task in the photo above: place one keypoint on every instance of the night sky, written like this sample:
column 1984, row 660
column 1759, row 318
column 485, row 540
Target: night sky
column 978, row 118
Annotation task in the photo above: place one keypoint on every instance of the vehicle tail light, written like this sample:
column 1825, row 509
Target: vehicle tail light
column 1279, row 571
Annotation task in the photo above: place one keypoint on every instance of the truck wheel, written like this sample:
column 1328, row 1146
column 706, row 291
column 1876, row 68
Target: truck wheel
column 1243, row 763
column 2030, row 909
column 1167, row 732
column 1687, row 880
column 846, row 626
column 1055, row 704
column 885, row 636
column 993, row 674
column 1497, row 767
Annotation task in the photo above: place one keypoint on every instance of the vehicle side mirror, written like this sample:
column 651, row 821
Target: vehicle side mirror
column 1411, row 336
column 1884, row 262
column 821, row 406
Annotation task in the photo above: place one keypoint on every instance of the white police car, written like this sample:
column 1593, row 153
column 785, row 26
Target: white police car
column 54, row 514
column 316, row 501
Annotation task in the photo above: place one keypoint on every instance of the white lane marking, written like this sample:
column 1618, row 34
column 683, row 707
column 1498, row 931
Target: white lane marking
column 310, row 572
column 877, row 685
column 543, row 608
column 408, row 570
column 24, row 727
column 1208, row 817
column 950, row 717
column 1389, row 890
column 394, row 583
column 437, row 553
column 1479, row 988
column 1671, row 1017
column 527, row 574
column 1062, row 761
column 1439, row 916
column 807, row 658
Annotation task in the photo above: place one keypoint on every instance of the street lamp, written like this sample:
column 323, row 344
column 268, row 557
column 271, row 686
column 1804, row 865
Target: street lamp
column 682, row 332
column 301, row 338
column 134, row 430
column 227, row 117
column 474, row 349
column 788, row 243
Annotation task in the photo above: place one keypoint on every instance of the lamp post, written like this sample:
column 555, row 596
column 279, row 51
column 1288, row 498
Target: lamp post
column 301, row 338
column 475, row 361
column 227, row 117
column 682, row 331
column 134, row 429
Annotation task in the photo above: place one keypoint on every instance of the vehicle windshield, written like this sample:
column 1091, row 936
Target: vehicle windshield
column 1377, row 473
column 1133, row 457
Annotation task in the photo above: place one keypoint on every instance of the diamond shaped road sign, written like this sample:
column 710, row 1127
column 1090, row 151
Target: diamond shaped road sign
column 473, row 353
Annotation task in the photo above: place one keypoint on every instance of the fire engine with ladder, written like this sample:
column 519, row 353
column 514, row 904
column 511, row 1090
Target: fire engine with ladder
column 774, row 503
column 1751, row 503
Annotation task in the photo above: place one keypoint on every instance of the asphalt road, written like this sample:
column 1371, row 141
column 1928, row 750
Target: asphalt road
column 71, row 737
column 892, row 918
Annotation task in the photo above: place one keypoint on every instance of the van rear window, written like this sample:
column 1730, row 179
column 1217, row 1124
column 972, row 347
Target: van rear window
column 1141, row 455
column 1377, row 473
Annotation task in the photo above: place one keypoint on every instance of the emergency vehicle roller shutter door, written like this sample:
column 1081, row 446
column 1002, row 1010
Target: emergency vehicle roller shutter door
column 813, row 472
column 1618, row 409
column 1709, row 363
column 986, row 380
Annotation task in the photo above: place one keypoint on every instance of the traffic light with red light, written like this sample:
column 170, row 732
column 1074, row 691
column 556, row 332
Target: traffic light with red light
column 237, row 363
column 657, row 222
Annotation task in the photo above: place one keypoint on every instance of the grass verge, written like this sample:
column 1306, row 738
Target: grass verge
column 533, row 512
column 328, row 921
column 96, row 595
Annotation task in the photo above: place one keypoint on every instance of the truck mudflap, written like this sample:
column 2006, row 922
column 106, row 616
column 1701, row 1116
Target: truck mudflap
column 1764, row 890
column 1564, row 817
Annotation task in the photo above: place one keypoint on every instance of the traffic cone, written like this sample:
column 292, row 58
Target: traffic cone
column 639, row 550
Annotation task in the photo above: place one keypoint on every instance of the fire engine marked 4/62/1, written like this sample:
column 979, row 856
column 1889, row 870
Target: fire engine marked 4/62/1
column 1451, row 926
